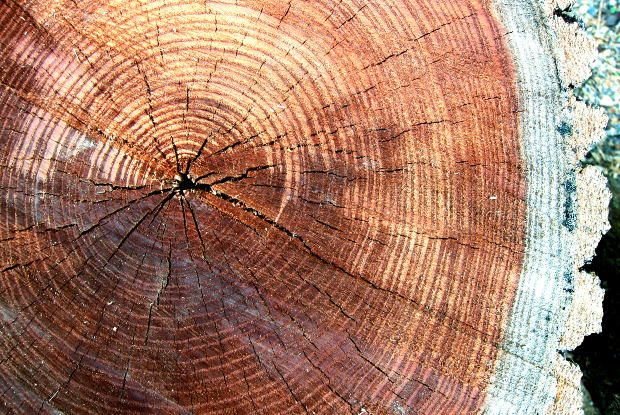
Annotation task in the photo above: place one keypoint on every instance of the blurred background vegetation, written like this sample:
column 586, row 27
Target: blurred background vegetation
column 598, row 356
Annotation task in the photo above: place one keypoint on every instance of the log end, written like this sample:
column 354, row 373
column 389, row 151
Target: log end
column 295, row 207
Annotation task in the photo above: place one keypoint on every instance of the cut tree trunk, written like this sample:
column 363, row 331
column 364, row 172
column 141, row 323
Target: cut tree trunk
column 294, row 207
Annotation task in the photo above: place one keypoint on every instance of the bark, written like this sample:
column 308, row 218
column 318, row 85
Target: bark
column 294, row 207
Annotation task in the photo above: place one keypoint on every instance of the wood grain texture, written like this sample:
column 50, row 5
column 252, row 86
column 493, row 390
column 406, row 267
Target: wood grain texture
column 286, row 207
column 556, row 304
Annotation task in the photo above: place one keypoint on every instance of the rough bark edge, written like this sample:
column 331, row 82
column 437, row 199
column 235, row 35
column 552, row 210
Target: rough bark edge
column 556, row 305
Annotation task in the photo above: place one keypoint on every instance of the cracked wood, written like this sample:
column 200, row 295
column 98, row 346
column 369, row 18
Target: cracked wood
column 255, row 206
